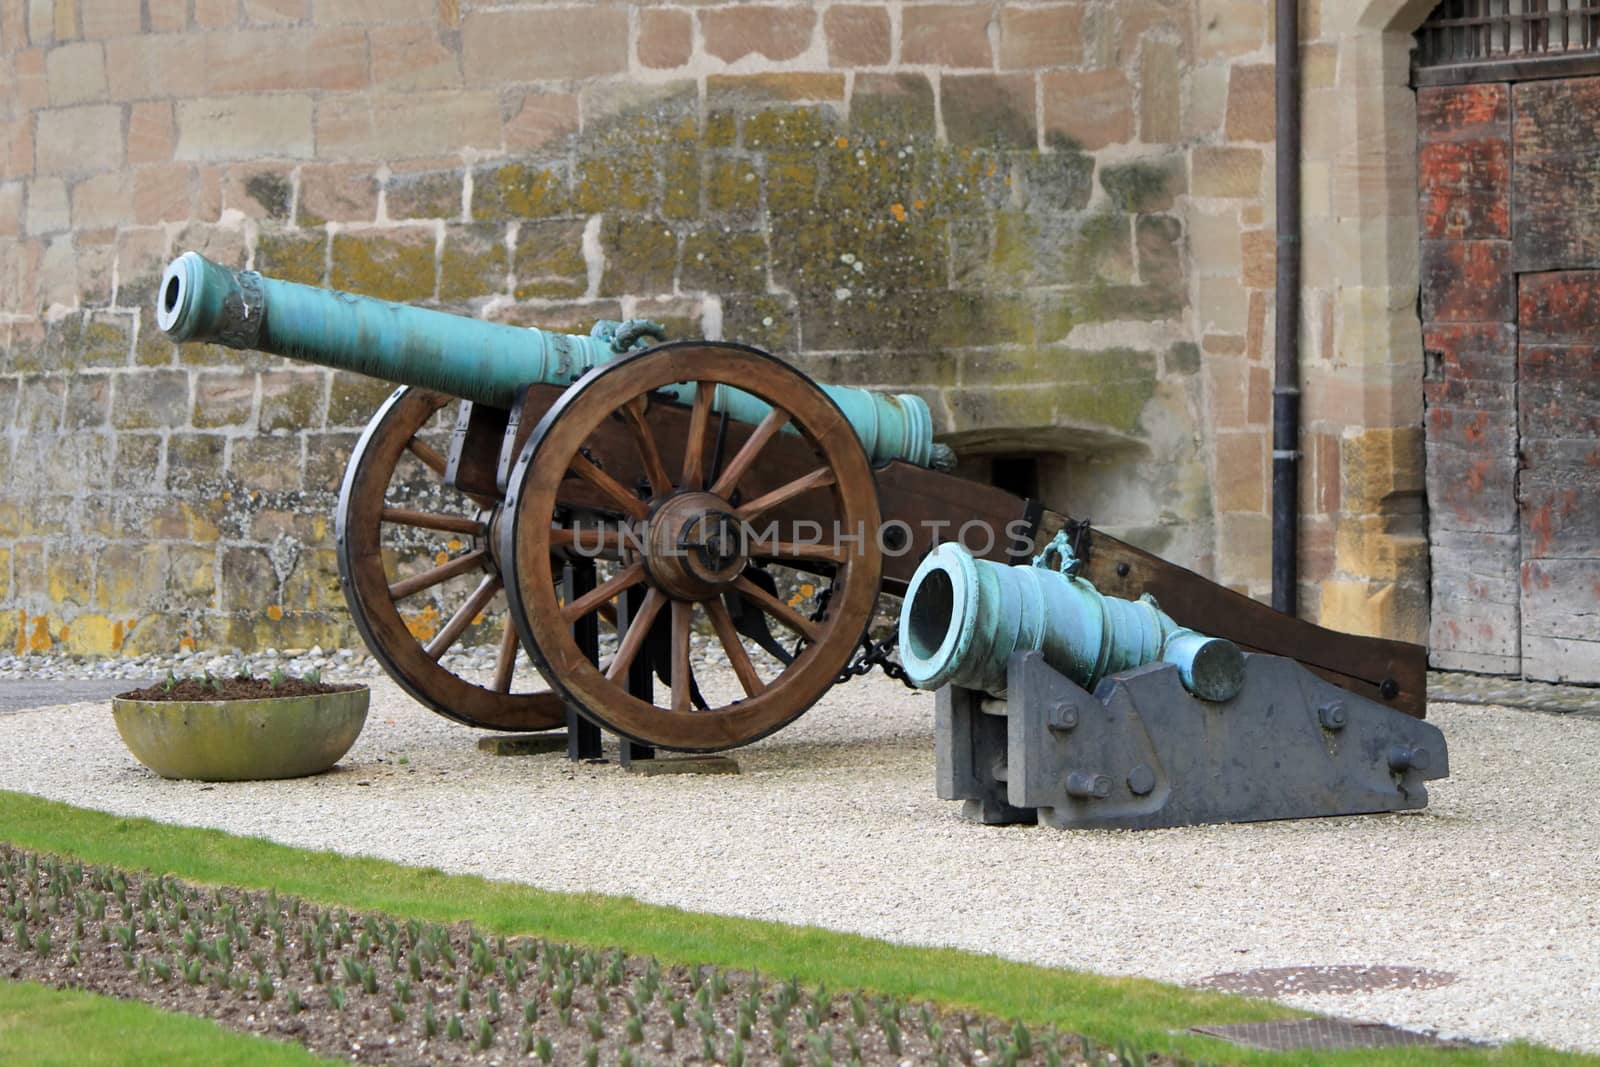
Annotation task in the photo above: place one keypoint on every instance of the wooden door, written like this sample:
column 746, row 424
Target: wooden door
column 1555, row 196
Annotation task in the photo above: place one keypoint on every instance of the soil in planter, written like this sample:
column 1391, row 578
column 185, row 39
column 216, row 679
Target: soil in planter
column 190, row 689
column 375, row 989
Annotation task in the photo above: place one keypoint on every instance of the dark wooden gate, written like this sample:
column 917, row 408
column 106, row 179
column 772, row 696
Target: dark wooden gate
column 1510, row 189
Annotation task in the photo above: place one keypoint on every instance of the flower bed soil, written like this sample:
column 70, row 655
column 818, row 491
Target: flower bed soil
column 192, row 689
column 376, row 989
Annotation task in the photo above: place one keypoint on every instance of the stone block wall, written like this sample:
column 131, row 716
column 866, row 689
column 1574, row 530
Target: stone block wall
column 1052, row 219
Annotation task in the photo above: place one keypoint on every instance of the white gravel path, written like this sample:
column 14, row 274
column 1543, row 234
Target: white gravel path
column 834, row 822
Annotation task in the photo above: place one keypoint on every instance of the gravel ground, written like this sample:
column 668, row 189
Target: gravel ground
column 834, row 823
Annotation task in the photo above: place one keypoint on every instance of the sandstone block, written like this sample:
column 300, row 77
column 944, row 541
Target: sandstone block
column 152, row 66
column 543, row 44
column 151, row 135
column 167, row 16
column 223, row 398
column 1251, row 110
column 352, row 399
column 276, row 12
column 989, row 109
column 947, row 35
column 88, row 401
column 406, row 126
column 266, row 463
column 1226, row 171
column 337, row 192
column 292, row 400
column 49, row 208
column 520, row 191
column 1231, row 28
column 412, row 58
column 550, row 261
column 1380, row 609
column 214, row 128
column 294, row 257
column 857, row 35
column 215, row 14
column 641, row 256
column 1160, row 92
column 259, row 190
column 729, row 90
column 424, row 190
column 76, row 73
column 150, row 399
column 194, row 460
column 541, row 118
column 775, row 33
column 1036, row 37
column 291, row 60
column 473, row 263
column 666, row 38
column 892, row 105
column 103, row 201
column 365, row 12
column 393, row 264
column 1091, row 108
column 79, row 140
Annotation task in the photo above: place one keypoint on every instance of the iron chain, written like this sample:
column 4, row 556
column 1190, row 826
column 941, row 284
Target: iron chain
column 871, row 653
column 876, row 654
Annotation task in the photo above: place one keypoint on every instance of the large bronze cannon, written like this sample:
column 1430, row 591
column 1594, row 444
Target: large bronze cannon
column 688, row 480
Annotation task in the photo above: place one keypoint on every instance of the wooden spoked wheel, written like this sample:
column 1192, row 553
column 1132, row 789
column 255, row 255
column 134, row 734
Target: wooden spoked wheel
column 416, row 564
column 699, row 513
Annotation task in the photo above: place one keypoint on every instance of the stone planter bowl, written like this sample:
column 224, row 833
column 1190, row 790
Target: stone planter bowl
column 242, row 740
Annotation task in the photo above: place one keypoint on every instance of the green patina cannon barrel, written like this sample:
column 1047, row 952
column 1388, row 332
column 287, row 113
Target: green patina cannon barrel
column 484, row 362
column 964, row 617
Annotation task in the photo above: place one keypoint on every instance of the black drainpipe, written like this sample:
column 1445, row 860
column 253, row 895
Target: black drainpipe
column 1286, row 363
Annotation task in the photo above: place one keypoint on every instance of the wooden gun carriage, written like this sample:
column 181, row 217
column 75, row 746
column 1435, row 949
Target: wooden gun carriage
column 657, row 487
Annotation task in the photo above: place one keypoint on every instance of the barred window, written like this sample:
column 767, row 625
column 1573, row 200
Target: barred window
column 1507, row 40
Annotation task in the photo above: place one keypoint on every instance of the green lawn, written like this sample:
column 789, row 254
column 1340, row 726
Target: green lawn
column 1144, row 1015
column 42, row 1027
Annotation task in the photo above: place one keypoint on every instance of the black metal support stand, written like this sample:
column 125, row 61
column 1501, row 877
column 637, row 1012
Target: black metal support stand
column 641, row 677
column 583, row 736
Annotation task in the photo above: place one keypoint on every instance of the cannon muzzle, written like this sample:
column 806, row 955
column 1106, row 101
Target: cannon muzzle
column 484, row 362
column 964, row 617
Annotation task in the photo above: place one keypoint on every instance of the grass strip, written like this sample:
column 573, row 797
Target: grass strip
column 1143, row 1015
column 43, row 1027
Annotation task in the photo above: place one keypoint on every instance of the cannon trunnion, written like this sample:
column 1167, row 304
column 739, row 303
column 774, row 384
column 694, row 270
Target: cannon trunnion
column 622, row 501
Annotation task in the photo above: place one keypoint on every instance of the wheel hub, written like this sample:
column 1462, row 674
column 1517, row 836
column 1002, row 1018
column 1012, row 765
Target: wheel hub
column 694, row 547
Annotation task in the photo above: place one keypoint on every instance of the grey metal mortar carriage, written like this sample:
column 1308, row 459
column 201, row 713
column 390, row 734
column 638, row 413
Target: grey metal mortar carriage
column 1077, row 710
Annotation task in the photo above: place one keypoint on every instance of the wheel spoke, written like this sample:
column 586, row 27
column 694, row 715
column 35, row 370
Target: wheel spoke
column 431, row 520
column 654, row 468
column 436, row 463
column 798, row 550
column 634, row 638
column 777, row 608
column 428, row 454
column 740, row 463
column 682, row 678
column 589, row 540
column 627, row 577
column 442, row 573
column 505, row 662
column 626, row 502
column 738, row 658
column 694, row 450
column 788, row 491
column 464, row 615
